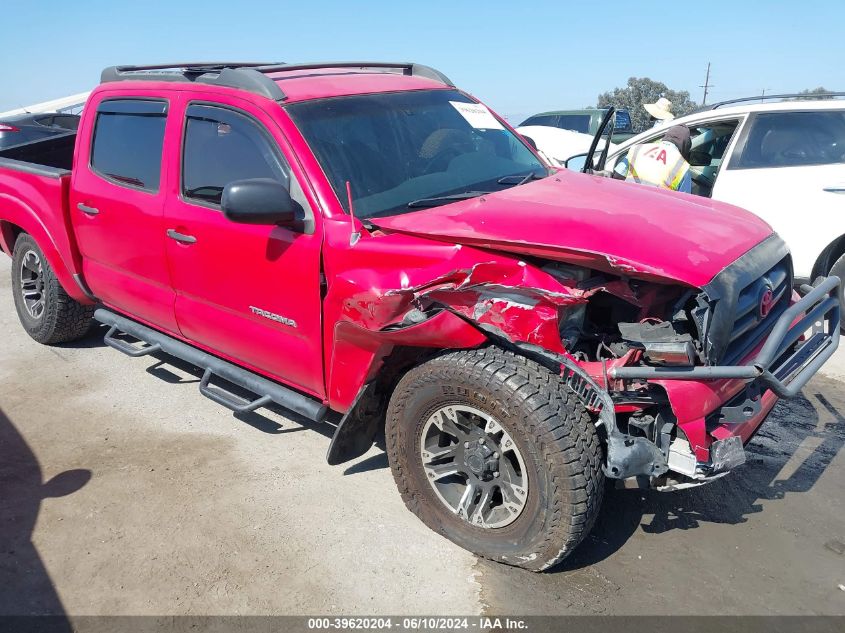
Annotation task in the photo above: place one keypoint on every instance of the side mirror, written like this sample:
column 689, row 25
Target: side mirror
column 576, row 163
column 699, row 159
column 66, row 483
column 259, row 201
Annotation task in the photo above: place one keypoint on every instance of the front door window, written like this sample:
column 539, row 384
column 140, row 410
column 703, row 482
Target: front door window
column 710, row 140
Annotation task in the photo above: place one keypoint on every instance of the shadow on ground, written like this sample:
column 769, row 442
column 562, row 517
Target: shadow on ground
column 185, row 373
column 732, row 499
column 726, row 501
column 25, row 585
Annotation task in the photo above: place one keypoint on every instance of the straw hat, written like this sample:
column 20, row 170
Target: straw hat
column 661, row 109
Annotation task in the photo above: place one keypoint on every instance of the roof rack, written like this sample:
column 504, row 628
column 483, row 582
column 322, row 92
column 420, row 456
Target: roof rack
column 232, row 74
column 761, row 98
column 251, row 76
column 407, row 68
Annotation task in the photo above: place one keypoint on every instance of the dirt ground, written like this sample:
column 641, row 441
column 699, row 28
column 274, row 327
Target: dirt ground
column 123, row 491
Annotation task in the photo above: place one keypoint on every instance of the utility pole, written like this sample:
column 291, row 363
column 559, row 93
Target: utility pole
column 763, row 95
column 707, row 85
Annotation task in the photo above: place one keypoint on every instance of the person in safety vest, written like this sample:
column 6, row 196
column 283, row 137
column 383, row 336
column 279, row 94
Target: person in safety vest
column 661, row 164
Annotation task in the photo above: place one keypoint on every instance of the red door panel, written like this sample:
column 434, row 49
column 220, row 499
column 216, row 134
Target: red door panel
column 250, row 292
column 116, row 205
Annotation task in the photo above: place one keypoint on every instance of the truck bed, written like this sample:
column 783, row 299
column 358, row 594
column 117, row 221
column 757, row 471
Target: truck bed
column 52, row 156
column 34, row 187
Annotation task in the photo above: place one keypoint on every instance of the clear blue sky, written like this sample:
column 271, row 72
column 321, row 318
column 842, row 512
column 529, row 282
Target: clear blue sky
column 520, row 58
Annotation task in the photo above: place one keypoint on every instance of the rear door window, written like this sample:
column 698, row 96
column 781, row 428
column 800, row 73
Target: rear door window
column 66, row 121
column 128, row 138
column 792, row 139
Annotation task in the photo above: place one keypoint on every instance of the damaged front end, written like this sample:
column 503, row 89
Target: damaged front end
column 562, row 315
column 622, row 343
column 568, row 318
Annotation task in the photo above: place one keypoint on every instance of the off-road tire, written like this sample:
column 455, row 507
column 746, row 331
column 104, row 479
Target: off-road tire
column 63, row 319
column 838, row 269
column 551, row 428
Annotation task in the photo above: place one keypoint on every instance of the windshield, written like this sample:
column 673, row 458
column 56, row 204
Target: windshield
column 407, row 150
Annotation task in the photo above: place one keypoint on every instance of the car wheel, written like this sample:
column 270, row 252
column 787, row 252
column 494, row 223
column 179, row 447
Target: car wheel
column 492, row 451
column 48, row 314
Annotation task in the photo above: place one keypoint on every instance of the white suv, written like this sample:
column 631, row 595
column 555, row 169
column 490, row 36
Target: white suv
column 783, row 161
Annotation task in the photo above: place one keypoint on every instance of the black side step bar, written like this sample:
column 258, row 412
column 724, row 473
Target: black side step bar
column 124, row 347
column 267, row 391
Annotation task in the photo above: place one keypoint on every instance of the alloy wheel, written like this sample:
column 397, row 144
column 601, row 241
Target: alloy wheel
column 474, row 466
column 32, row 284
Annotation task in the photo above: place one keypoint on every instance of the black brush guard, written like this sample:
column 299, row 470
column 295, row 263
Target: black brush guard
column 781, row 365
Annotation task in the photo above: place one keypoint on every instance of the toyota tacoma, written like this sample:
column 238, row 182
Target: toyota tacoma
column 366, row 243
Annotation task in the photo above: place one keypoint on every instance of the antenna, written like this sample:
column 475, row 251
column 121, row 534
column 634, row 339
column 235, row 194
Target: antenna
column 356, row 235
column 707, row 85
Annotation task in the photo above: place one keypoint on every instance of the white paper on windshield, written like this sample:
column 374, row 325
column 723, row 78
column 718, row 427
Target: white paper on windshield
column 477, row 115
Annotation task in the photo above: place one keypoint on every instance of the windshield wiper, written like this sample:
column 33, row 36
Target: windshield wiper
column 438, row 200
column 518, row 179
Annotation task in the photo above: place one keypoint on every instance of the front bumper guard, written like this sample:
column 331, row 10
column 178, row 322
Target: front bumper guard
column 635, row 456
column 818, row 310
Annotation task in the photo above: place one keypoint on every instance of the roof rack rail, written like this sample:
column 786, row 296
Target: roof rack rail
column 112, row 72
column 761, row 98
column 407, row 68
column 232, row 74
column 251, row 76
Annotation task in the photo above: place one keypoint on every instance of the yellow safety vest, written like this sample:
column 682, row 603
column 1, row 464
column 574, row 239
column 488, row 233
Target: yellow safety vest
column 657, row 164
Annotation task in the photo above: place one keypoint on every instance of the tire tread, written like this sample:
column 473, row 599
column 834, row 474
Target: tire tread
column 563, row 432
column 64, row 319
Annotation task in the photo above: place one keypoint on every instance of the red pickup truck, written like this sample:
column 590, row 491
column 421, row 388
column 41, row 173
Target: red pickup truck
column 365, row 239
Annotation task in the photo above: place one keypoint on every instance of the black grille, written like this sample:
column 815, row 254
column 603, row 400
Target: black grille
column 729, row 315
column 750, row 326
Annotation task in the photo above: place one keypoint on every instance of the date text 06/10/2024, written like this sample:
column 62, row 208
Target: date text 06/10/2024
column 430, row 623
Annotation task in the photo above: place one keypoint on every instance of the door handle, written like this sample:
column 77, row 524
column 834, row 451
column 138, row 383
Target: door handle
column 835, row 189
column 87, row 210
column 180, row 237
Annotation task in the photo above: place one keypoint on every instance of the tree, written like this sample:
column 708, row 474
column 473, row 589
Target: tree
column 814, row 93
column 640, row 90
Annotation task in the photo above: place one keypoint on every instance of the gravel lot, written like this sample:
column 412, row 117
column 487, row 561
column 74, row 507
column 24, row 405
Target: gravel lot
column 123, row 491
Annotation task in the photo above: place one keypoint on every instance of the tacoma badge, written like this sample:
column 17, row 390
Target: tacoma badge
column 278, row 318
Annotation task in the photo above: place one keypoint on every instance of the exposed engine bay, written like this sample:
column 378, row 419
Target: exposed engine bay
column 627, row 317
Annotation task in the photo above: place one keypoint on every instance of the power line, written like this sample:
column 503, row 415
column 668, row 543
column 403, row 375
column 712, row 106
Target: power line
column 707, row 85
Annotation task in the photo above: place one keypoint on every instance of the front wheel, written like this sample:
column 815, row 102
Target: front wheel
column 48, row 314
column 492, row 451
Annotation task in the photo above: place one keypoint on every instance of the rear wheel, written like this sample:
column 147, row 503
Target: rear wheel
column 838, row 269
column 492, row 451
column 48, row 314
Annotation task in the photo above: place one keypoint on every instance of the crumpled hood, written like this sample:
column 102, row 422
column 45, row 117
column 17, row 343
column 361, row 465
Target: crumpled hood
column 597, row 222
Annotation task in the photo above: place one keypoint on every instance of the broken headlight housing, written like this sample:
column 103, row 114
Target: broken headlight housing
column 662, row 342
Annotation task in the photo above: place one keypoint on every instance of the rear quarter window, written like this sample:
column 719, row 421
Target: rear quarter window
column 127, row 144
column 792, row 139
column 576, row 122
column 546, row 119
column 622, row 122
